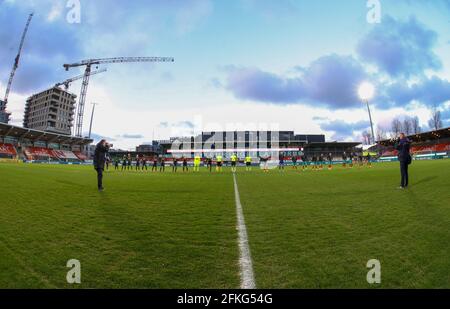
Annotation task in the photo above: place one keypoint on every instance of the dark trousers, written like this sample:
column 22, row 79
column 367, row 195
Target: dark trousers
column 99, row 177
column 404, row 173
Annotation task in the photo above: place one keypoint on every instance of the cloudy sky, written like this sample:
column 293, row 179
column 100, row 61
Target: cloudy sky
column 239, row 64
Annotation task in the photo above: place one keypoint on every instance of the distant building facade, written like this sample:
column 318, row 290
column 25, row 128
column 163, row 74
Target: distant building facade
column 254, row 143
column 4, row 115
column 148, row 148
column 51, row 110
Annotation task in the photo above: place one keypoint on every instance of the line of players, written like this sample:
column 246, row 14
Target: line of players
column 319, row 161
column 142, row 163
column 159, row 163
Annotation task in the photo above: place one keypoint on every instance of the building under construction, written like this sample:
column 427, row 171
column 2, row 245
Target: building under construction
column 51, row 110
column 4, row 115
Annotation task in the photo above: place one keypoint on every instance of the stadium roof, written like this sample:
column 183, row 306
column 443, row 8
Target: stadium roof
column 423, row 137
column 36, row 135
column 333, row 144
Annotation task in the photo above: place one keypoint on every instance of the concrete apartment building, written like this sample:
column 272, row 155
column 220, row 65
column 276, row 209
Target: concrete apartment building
column 51, row 110
column 4, row 115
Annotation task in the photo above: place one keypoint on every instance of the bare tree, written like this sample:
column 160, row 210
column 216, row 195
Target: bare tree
column 381, row 133
column 416, row 129
column 435, row 122
column 396, row 127
column 407, row 126
column 366, row 138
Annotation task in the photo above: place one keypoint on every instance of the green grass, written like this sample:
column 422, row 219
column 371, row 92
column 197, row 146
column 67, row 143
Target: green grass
column 319, row 229
column 144, row 231
column 306, row 229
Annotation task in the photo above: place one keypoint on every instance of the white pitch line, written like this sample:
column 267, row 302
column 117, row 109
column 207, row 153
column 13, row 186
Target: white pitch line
column 245, row 259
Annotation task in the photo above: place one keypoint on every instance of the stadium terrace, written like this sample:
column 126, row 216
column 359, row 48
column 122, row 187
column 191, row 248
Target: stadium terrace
column 34, row 145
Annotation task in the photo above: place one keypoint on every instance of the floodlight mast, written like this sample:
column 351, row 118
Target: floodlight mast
column 92, row 119
column 371, row 122
column 366, row 92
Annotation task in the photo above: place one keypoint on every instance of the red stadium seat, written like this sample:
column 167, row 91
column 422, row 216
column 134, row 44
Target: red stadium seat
column 80, row 156
column 39, row 153
column 423, row 149
column 7, row 150
column 65, row 155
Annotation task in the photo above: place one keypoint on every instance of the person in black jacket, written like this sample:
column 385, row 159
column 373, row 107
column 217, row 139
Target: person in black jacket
column 404, row 157
column 101, row 150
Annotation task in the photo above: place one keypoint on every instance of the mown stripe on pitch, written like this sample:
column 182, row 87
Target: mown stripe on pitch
column 245, row 259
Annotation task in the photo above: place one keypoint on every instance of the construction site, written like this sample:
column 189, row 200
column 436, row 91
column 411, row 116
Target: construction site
column 53, row 118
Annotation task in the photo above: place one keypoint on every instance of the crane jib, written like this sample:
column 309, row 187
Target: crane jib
column 119, row 60
column 88, row 63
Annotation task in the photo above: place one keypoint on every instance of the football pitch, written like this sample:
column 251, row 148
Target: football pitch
column 312, row 229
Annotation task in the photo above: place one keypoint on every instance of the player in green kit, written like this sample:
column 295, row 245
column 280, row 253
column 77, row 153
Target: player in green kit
column 197, row 161
column 248, row 163
column 304, row 162
column 344, row 160
column 294, row 162
column 330, row 161
column 219, row 161
column 234, row 159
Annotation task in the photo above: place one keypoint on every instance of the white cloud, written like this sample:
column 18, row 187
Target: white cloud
column 55, row 12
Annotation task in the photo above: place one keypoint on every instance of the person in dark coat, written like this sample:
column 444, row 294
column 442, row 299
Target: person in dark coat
column 101, row 150
column 404, row 157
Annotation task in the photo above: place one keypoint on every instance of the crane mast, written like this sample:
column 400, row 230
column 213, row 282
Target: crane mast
column 87, row 73
column 17, row 59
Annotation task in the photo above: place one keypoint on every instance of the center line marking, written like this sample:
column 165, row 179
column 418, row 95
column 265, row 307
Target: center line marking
column 245, row 259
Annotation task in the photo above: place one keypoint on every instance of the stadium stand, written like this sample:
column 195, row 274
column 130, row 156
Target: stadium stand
column 39, row 153
column 441, row 147
column 80, row 155
column 34, row 145
column 427, row 145
column 46, row 154
column 389, row 153
column 66, row 155
column 7, row 151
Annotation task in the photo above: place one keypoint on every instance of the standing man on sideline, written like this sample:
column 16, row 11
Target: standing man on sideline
column 101, row 150
column 404, row 157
